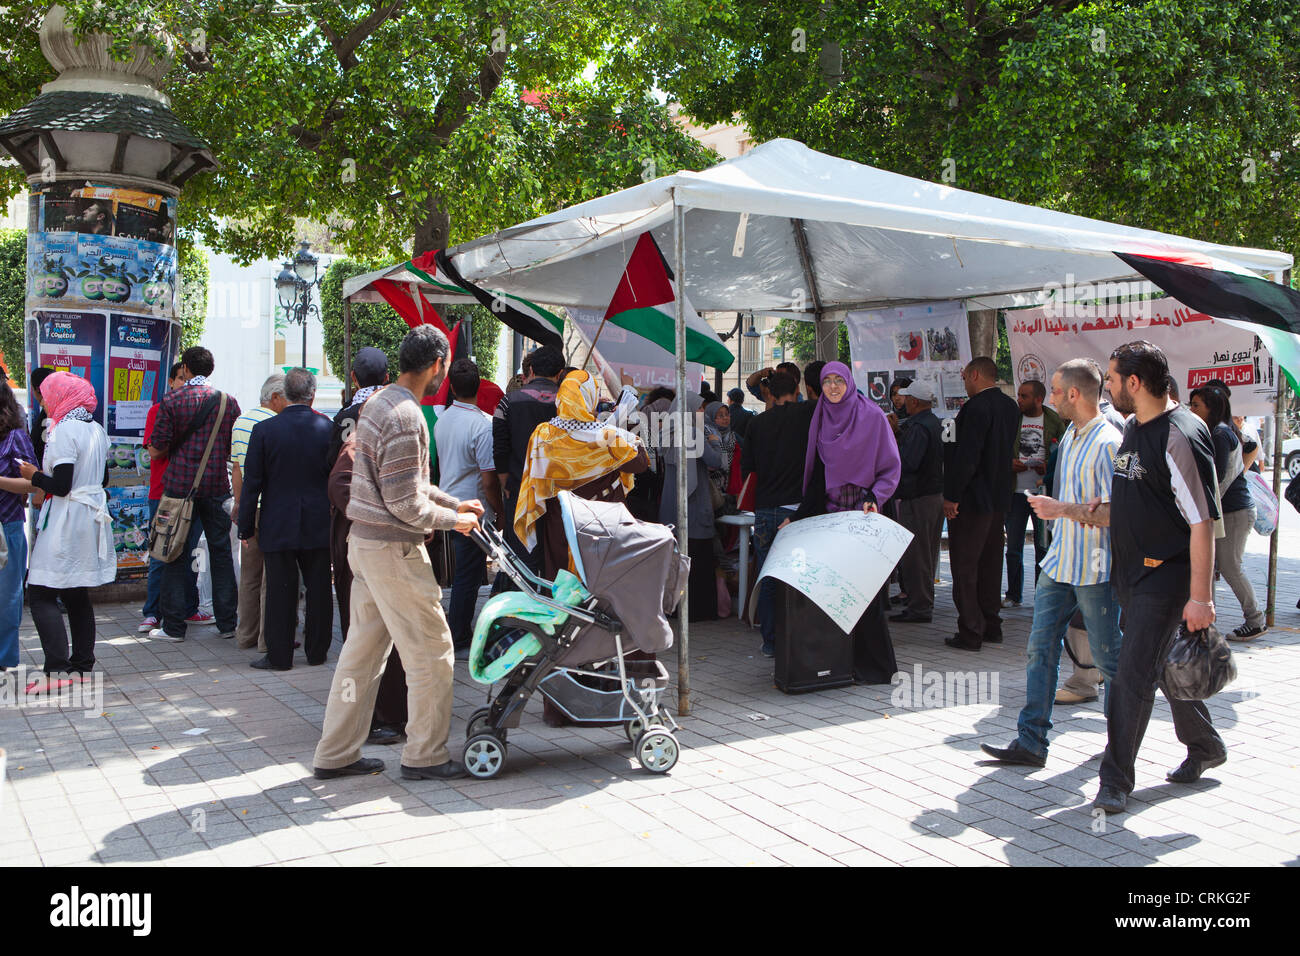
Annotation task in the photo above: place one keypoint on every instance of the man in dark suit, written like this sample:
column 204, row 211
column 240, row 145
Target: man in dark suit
column 977, row 483
column 287, row 471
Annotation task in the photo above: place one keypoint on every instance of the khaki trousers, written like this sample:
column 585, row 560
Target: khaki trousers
column 395, row 601
column 252, row 597
column 1085, row 680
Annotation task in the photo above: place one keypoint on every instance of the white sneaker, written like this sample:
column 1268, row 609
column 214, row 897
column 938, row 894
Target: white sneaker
column 1007, row 602
column 158, row 634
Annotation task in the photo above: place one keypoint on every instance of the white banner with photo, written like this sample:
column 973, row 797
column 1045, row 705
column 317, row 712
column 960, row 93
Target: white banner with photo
column 1198, row 346
column 839, row 560
column 929, row 342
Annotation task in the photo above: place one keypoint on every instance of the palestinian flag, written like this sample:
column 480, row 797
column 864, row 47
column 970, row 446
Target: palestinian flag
column 410, row 303
column 644, row 303
column 527, row 318
column 1226, row 291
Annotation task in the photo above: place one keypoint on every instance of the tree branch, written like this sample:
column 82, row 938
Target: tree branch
column 345, row 47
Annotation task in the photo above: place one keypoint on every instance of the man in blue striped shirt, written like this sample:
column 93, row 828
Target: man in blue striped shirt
column 1076, row 570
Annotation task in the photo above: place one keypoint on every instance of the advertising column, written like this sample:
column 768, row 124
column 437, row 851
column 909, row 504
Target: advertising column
column 101, row 303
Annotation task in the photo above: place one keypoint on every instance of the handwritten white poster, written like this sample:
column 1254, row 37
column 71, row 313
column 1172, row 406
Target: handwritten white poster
column 930, row 342
column 1198, row 346
column 840, row 561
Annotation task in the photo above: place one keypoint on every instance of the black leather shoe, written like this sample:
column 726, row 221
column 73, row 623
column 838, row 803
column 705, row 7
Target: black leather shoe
column 898, row 598
column 355, row 769
column 264, row 664
column 451, row 770
column 1111, row 799
column 907, row 617
column 385, row 735
column 1014, row 754
column 1190, row 770
column 961, row 645
column 993, row 639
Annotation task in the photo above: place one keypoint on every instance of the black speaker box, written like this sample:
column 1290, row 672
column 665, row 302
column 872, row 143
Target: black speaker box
column 812, row 653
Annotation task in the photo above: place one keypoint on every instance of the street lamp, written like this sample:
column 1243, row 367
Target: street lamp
column 293, row 286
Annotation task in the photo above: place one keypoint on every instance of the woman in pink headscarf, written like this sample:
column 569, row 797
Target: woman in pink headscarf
column 852, row 464
column 74, row 537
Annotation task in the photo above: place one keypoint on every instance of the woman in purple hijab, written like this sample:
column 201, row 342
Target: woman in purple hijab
column 852, row 462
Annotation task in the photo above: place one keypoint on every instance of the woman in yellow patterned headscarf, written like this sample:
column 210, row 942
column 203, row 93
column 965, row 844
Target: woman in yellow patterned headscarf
column 573, row 452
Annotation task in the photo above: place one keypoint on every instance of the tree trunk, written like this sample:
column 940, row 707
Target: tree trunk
column 984, row 333
column 432, row 233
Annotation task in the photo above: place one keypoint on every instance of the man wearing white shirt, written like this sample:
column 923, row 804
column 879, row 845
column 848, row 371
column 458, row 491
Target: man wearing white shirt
column 466, row 468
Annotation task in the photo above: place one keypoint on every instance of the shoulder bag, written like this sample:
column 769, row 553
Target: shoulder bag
column 171, row 525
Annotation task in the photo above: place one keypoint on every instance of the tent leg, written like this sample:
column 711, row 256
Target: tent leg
column 347, row 353
column 683, row 532
column 1270, row 606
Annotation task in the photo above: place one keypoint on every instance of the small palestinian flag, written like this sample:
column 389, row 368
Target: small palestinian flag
column 527, row 318
column 644, row 303
column 1226, row 291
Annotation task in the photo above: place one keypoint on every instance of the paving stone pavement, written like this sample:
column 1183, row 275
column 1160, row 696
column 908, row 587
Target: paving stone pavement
column 843, row 777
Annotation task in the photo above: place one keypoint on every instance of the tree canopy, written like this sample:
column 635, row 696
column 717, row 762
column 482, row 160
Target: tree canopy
column 1180, row 115
column 389, row 121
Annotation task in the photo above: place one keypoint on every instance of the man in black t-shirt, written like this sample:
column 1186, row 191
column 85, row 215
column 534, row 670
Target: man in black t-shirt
column 775, row 450
column 1162, row 518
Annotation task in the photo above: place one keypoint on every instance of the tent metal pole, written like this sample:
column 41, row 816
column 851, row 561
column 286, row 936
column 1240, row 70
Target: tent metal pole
column 679, row 426
column 347, row 352
column 1271, row 604
column 810, row 279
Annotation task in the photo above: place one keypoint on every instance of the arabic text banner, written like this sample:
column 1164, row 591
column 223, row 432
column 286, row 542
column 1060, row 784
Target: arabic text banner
column 839, row 560
column 1198, row 347
column 930, row 342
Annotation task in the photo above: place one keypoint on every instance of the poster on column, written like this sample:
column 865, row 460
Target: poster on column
column 102, row 244
column 137, row 354
column 73, row 342
column 1198, row 346
column 929, row 342
column 620, row 350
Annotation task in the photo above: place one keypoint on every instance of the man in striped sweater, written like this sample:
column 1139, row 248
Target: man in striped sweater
column 395, row 599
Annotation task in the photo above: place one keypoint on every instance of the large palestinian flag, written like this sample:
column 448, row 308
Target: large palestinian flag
column 644, row 303
column 1226, row 291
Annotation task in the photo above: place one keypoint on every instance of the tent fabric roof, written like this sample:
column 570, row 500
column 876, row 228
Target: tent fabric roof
column 874, row 238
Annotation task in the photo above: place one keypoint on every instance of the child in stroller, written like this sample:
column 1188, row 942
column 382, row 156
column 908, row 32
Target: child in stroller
column 566, row 638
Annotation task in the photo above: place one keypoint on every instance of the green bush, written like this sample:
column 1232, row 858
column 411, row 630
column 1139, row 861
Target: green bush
column 378, row 325
column 192, row 307
column 13, row 293
column 799, row 340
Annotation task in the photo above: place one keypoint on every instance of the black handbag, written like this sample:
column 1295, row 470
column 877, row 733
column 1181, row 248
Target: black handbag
column 1199, row 664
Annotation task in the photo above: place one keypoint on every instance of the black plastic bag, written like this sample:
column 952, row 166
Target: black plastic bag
column 1293, row 493
column 1199, row 664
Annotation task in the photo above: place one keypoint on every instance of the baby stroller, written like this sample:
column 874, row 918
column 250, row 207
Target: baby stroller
column 567, row 638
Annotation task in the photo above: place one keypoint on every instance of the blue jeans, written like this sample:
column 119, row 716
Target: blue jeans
column 1018, row 516
column 766, row 521
column 11, row 592
column 210, row 519
column 153, row 593
column 1054, row 605
column 470, row 563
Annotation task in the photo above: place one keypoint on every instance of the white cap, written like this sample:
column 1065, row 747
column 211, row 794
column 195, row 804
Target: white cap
column 918, row 390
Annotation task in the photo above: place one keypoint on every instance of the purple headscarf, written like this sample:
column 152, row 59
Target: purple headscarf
column 854, row 440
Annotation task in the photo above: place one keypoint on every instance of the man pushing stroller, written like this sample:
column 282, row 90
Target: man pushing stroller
column 395, row 599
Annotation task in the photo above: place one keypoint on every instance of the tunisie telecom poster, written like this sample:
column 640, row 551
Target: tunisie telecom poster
column 73, row 342
column 137, row 349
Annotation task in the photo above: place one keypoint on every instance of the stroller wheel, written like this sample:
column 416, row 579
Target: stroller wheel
column 633, row 730
column 657, row 749
column 484, row 757
column 478, row 723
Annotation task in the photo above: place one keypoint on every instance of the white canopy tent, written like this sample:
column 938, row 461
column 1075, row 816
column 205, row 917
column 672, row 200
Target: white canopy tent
column 790, row 231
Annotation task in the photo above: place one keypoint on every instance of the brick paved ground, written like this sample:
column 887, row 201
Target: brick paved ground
column 833, row 778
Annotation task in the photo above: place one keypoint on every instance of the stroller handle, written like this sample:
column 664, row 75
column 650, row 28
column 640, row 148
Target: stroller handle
column 491, row 541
